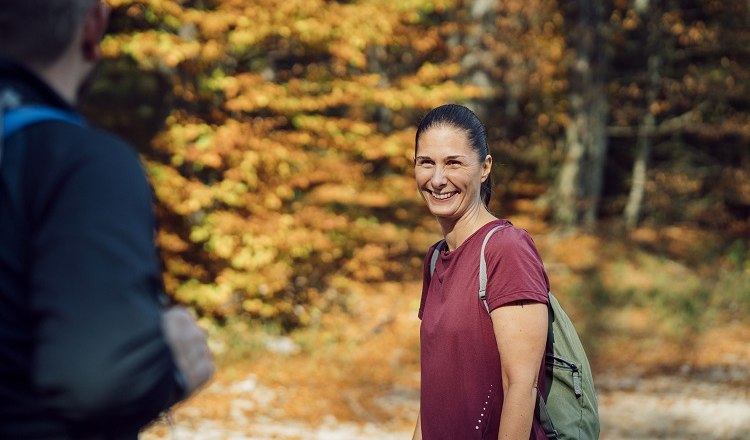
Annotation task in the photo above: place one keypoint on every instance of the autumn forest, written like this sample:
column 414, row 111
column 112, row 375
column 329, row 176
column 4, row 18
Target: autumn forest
column 279, row 138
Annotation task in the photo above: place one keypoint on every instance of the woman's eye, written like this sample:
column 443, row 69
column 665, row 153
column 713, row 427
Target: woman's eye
column 424, row 163
column 453, row 163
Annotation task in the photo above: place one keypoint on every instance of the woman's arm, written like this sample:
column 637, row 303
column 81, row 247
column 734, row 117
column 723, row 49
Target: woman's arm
column 521, row 334
column 418, row 430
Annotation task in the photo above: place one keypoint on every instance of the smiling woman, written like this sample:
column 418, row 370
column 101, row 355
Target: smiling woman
column 459, row 128
column 452, row 168
column 448, row 173
column 479, row 370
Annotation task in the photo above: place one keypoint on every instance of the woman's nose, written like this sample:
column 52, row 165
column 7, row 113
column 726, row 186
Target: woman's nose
column 438, row 179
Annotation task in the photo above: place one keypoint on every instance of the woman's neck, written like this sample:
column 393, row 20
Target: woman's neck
column 458, row 230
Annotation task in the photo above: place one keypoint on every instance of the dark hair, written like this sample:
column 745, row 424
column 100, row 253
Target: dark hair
column 37, row 32
column 461, row 118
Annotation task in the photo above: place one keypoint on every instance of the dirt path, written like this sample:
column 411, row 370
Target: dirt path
column 356, row 376
column 712, row 406
column 705, row 407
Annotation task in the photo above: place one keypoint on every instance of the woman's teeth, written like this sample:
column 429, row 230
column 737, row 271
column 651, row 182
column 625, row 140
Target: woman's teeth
column 442, row 196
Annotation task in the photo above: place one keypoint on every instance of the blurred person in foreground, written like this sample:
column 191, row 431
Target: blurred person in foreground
column 87, row 348
column 480, row 362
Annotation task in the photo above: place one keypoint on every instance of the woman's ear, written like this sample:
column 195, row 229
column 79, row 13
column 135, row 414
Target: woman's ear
column 486, row 167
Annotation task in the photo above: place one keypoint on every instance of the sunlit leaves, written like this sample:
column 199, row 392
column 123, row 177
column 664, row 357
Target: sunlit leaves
column 153, row 49
column 283, row 167
column 272, row 170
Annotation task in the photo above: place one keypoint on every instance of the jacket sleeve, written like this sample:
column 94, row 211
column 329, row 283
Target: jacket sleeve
column 100, row 355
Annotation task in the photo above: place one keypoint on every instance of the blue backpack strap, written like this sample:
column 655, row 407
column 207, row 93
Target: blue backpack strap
column 14, row 117
column 17, row 118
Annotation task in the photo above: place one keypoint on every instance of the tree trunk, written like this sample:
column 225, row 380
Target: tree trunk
column 383, row 115
column 477, row 61
column 650, row 14
column 645, row 132
column 568, row 191
column 596, row 148
column 581, row 177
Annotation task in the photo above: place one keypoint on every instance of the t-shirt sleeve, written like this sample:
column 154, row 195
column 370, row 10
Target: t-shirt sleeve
column 514, row 269
column 426, row 276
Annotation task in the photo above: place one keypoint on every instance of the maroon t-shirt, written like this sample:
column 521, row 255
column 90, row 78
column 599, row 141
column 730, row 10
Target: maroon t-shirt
column 462, row 391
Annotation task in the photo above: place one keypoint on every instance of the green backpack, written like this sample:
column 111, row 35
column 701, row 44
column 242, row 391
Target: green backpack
column 569, row 409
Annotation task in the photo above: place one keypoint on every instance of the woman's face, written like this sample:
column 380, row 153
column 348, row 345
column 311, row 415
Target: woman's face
column 448, row 172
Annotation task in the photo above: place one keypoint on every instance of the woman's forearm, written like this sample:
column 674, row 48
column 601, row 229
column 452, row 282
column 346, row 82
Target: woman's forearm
column 521, row 333
column 518, row 412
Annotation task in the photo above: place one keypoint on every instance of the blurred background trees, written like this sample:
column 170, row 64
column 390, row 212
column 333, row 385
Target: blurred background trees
column 279, row 134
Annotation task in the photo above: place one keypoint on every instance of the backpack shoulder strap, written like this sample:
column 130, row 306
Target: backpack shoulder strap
column 435, row 255
column 433, row 261
column 17, row 118
column 483, row 267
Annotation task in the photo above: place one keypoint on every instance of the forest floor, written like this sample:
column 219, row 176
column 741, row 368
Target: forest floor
column 712, row 404
column 368, row 388
column 355, row 373
column 663, row 407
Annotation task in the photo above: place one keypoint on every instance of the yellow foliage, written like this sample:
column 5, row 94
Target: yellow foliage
column 276, row 178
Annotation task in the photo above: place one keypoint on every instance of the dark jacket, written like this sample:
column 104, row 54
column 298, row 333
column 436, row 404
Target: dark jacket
column 82, row 353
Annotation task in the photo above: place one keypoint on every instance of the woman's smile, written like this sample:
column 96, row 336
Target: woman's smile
column 443, row 195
